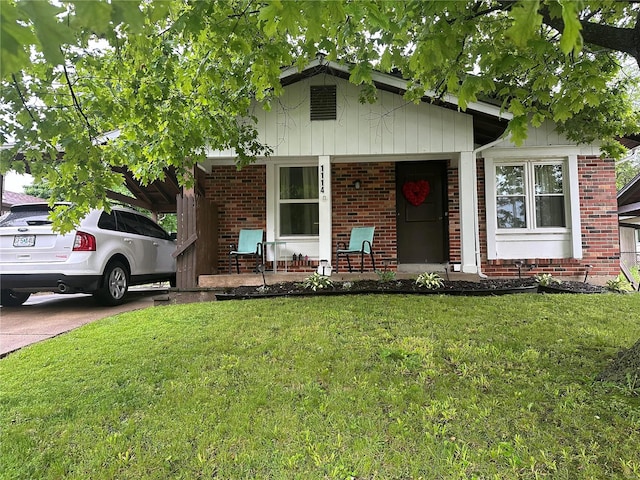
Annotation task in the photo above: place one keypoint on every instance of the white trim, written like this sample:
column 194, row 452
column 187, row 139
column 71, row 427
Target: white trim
column 532, row 153
column 419, row 157
column 305, row 244
column 466, row 187
column 325, row 206
column 574, row 205
column 533, row 240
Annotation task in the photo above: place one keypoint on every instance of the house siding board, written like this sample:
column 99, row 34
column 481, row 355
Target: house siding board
column 391, row 125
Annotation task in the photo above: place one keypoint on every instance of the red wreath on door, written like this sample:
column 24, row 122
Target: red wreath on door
column 416, row 192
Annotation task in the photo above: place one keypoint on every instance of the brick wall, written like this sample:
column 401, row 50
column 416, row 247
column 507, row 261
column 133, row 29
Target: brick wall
column 598, row 215
column 242, row 203
column 241, row 199
column 374, row 204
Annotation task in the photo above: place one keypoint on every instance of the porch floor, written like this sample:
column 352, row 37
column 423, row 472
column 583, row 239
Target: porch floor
column 255, row 279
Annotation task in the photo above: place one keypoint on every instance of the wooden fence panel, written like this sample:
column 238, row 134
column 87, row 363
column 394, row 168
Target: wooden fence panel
column 197, row 242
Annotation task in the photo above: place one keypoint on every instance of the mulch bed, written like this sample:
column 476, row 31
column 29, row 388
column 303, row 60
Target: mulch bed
column 409, row 286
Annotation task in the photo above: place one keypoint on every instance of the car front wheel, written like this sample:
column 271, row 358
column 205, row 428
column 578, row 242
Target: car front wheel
column 115, row 284
column 11, row 298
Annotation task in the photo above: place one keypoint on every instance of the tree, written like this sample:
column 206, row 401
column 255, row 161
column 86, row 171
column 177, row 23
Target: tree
column 627, row 168
column 177, row 77
column 41, row 190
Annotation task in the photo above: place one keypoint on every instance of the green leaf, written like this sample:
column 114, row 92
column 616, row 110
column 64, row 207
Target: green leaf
column 14, row 40
column 526, row 22
column 92, row 15
column 128, row 12
column 571, row 40
column 51, row 32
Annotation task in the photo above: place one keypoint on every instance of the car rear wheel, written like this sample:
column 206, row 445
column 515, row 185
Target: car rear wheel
column 11, row 298
column 115, row 284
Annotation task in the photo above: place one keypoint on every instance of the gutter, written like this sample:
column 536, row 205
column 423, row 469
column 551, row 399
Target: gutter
column 476, row 218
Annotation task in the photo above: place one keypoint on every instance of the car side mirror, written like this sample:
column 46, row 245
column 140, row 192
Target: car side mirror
column 173, row 236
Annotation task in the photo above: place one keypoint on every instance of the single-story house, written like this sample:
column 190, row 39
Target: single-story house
column 441, row 186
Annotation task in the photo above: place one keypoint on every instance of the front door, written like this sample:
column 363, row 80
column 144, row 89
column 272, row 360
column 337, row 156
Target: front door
column 421, row 215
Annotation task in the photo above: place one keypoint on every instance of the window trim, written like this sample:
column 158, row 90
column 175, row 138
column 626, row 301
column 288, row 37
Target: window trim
column 572, row 233
column 279, row 201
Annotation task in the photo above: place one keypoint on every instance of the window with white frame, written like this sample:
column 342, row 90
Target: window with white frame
column 530, row 195
column 298, row 206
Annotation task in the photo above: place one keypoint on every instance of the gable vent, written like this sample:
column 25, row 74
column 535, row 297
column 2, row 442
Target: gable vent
column 323, row 102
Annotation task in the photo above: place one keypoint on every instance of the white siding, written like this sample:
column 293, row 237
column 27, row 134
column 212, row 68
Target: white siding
column 547, row 136
column 390, row 126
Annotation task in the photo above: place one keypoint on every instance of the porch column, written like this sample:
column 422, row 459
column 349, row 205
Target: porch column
column 468, row 227
column 324, row 204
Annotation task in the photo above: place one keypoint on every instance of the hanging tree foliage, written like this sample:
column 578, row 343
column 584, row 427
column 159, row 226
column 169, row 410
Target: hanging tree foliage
column 177, row 77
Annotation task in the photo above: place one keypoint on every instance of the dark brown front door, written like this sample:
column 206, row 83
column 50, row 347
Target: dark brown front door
column 421, row 215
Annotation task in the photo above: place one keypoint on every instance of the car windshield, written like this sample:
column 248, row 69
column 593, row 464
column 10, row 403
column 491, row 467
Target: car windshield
column 26, row 215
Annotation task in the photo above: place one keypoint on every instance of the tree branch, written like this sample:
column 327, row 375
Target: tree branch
column 625, row 40
column 22, row 99
column 76, row 103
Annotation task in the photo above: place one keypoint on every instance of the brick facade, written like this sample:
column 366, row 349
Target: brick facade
column 242, row 203
column 598, row 216
column 374, row 204
column 453, row 205
column 241, row 199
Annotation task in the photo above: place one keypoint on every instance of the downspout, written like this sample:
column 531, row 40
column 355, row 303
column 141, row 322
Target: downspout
column 476, row 217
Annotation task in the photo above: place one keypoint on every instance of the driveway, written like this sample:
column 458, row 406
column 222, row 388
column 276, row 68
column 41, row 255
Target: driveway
column 45, row 316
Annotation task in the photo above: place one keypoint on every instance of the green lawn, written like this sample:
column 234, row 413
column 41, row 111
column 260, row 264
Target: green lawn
column 388, row 387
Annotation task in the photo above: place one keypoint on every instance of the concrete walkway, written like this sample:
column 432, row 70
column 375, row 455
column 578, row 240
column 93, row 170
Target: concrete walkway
column 46, row 316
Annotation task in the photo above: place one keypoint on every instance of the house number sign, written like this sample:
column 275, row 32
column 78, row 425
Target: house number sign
column 321, row 178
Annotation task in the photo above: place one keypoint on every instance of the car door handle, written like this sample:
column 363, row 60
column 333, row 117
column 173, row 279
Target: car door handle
column 156, row 244
column 127, row 240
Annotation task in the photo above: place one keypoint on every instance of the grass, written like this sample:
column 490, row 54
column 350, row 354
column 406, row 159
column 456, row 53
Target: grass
column 340, row 387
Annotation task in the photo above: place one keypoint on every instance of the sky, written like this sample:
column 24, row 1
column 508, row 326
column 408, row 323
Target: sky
column 15, row 183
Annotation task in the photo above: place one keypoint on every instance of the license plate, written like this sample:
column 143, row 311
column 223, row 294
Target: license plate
column 24, row 240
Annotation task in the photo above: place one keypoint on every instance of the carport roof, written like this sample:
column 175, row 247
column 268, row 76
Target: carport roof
column 158, row 196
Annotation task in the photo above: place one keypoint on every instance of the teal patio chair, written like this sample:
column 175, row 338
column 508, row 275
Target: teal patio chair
column 360, row 241
column 250, row 245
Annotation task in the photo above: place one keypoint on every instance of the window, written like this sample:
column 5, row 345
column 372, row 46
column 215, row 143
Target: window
column 510, row 196
column 139, row 225
column 530, row 195
column 298, row 201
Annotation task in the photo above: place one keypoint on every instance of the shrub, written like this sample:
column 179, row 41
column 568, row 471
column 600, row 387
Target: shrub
column 316, row 282
column 385, row 276
column 619, row 284
column 546, row 279
column 430, row 280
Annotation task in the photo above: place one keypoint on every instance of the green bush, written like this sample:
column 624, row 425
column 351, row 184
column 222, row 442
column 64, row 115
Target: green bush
column 430, row 280
column 316, row 282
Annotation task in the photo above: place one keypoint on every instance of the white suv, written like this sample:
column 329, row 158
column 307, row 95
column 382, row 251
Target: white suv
column 107, row 253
